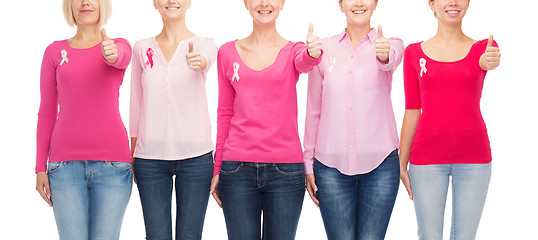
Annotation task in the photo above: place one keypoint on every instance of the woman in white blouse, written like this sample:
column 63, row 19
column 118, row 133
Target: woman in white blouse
column 169, row 124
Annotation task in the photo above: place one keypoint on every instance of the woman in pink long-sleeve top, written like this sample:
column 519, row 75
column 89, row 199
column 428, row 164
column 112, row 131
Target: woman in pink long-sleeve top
column 258, row 157
column 351, row 142
column 88, row 178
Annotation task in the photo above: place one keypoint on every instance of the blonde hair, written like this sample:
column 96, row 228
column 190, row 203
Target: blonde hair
column 105, row 10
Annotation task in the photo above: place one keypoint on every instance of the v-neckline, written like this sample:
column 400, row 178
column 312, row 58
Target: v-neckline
column 263, row 69
column 160, row 53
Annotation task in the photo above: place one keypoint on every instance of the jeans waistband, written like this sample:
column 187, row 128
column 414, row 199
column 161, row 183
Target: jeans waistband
column 257, row 164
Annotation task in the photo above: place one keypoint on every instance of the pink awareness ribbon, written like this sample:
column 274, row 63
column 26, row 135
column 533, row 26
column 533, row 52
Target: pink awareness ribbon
column 236, row 72
column 422, row 63
column 149, row 53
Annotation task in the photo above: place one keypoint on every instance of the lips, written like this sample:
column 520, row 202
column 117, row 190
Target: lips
column 86, row 11
column 452, row 12
column 172, row 8
column 358, row 11
column 265, row 12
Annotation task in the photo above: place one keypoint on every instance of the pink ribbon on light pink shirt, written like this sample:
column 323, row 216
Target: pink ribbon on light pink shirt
column 149, row 53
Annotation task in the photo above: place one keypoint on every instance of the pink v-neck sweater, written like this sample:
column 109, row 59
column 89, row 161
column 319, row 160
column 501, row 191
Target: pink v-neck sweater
column 85, row 86
column 257, row 112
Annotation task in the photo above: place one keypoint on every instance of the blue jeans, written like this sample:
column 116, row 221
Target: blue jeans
column 469, row 189
column 154, row 179
column 357, row 206
column 247, row 189
column 89, row 198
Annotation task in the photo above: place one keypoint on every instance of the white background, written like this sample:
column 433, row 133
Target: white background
column 508, row 103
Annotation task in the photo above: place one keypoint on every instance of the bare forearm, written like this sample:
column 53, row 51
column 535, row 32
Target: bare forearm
column 409, row 127
column 133, row 146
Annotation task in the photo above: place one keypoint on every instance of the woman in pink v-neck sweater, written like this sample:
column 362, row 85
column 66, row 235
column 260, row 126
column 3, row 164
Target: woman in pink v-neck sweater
column 258, row 155
column 257, row 114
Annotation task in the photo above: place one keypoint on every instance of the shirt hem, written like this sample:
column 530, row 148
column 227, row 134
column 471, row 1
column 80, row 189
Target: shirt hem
column 451, row 161
column 368, row 170
column 108, row 159
column 260, row 158
column 173, row 158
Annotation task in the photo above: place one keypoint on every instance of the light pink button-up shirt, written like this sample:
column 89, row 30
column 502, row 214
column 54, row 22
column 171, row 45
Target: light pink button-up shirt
column 169, row 114
column 349, row 118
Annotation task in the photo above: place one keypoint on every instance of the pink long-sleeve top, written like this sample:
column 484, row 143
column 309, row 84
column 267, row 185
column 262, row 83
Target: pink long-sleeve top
column 168, row 113
column 257, row 111
column 349, row 117
column 450, row 129
column 85, row 87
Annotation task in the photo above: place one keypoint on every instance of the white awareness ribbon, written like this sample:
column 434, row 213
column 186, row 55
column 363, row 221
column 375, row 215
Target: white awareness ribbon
column 64, row 57
column 423, row 66
column 236, row 72
column 332, row 62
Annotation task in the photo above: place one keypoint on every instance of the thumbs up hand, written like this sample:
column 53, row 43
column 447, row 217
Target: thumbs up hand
column 313, row 44
column 195, row 60
column 108, row 48
column 492, row 57
column 382, row 46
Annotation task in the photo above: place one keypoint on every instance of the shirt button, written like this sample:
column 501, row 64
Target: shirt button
column 350, row 71
column 350, row 109
column 351, row 56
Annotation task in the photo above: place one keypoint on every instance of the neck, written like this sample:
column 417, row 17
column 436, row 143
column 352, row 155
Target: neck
column 88, row 32
column 264, row 34
column 357, row 33
column 175, row 30
column 449, row 32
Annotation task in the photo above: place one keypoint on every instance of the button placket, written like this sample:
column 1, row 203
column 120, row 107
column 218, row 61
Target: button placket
column 351, row 113
column 167, row 83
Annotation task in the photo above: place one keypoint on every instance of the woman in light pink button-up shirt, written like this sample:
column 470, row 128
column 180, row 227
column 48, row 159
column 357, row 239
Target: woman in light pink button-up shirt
column 169, row 124
column 351, row 142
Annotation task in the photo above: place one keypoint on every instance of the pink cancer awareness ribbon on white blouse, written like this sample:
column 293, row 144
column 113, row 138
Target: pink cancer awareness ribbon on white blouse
column 149, row 53
column 332, row 62
column 423, row 69
column 236, row 72
column 64, row 57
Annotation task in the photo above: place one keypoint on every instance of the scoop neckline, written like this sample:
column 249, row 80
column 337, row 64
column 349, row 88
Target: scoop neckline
column 456, row 61
column 72, row 48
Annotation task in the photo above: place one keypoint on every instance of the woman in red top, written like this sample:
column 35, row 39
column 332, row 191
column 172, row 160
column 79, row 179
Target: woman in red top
column 443, row 133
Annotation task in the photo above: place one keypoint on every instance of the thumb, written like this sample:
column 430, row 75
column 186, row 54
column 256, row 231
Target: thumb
column 103, row 34
column 490, row 41
column 191, row 47
column 310, row 30
column 380, row 31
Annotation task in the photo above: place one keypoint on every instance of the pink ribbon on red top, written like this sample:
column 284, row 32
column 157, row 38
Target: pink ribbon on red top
column 149, row 53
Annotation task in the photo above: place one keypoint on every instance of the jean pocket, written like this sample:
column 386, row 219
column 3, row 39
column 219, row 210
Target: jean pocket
column 54, row 166
column 289, row 168
column 230, row 167
column 119, row 166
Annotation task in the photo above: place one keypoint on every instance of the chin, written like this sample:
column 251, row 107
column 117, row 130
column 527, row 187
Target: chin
column 264, row 21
